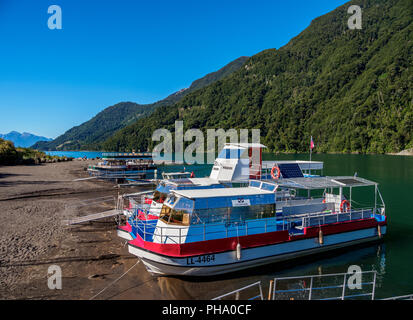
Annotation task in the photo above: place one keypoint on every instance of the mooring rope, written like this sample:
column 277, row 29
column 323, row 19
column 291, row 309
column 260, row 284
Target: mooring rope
column 114, row 281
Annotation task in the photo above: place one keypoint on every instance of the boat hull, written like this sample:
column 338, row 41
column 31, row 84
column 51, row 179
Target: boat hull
column 226, row 262
column 124, row 234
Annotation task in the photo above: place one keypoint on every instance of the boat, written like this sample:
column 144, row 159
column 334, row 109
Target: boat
column 208, row 232
column 234, row 167
column 121, row 166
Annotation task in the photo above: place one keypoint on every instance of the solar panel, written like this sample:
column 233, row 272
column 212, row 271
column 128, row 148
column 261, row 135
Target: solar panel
column 348, row 181
column 290, row 170
column 181, row 181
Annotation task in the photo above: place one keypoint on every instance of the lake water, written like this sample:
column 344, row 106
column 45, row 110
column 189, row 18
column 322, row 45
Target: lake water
column 392, row 258
column 76, row 154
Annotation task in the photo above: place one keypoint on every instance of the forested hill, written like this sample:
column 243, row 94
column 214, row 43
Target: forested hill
column 99, row 128
column 350, row 89
column 89, row 134
column 203, row 82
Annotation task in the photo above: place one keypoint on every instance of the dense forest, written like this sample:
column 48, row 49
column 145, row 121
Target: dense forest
column 88, row 135
column 352, row 90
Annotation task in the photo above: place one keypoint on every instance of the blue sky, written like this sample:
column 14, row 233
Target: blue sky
column 113, row 51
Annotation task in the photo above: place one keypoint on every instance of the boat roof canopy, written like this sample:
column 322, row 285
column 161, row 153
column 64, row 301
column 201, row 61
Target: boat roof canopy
column 167, row 186
column 192, row 181
column 314, row 183
column 222, row 192
column 244, row 145
column 304, row 165
column 202, row 199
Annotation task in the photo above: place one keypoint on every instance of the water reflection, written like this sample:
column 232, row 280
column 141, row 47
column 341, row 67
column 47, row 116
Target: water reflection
column 369, row 258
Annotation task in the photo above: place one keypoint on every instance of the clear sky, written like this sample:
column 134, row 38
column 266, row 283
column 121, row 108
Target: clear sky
column 125, row 50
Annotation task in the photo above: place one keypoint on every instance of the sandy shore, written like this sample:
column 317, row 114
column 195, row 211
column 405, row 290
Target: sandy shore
column 33, row 202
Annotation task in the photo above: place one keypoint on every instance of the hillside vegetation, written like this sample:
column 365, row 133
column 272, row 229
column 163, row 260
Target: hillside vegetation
column 10, row 155
column 350, row 89
column 88, row 135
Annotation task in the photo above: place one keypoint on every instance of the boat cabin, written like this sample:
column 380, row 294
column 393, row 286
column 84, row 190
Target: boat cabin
column 205, row 214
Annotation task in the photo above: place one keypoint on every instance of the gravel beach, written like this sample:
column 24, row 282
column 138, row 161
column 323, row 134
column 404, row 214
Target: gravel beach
column 33, row 202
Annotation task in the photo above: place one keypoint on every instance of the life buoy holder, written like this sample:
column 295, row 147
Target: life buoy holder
column 275, row 177
column 344, row 202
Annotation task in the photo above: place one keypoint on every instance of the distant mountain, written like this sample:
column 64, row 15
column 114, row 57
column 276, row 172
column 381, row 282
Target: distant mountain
column 24, row 139
column 89, row 135
column 349, row 89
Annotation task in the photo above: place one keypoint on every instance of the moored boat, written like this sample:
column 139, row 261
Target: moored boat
column 123, row 166
column 235, row 165
column 209, row 232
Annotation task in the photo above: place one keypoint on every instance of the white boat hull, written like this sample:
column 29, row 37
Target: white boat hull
column 124, row 234
column 226, row 262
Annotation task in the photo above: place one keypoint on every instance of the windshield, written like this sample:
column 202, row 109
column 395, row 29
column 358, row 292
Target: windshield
column 179, row 212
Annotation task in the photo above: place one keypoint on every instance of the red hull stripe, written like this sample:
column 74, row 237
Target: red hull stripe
column 250, row 241
column 127, row 227
column 141, row 216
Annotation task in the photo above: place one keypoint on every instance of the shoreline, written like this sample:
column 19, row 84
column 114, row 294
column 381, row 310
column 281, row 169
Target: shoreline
column 33, row 199
column 33, row 202
column 406, row 152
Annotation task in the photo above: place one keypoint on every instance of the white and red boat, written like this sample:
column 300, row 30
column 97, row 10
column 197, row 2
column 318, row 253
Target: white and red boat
column 215, row 231
column 235, row 165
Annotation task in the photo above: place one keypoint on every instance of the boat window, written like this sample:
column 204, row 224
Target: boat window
column 184, row 204
column 255, row 184
column 232, row 214
column 171, row 200
column 159, row 196
column 165, row 213
column 230, row 154
column 268, row 186
column 173, row 216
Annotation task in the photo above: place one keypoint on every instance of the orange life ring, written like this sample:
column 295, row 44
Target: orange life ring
column 342, row 205
column 278, row 173
column 324, row 200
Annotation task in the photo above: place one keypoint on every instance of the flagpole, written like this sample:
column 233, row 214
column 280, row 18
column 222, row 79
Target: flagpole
column 310, row 154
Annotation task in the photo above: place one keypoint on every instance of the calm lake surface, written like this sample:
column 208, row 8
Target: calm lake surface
column 76, row 154
column 392, row 258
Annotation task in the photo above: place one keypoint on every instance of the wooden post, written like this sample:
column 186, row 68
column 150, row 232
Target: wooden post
column 270, row 289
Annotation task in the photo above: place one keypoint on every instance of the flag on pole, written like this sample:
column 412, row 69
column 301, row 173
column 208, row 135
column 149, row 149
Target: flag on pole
column 312, row 143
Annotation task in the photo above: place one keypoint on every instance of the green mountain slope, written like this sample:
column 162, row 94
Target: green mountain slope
column 350, row 89
column 99, row 128
column 203, row 82
column 88, row 135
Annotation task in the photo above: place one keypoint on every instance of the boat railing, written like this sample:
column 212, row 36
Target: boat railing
column 237, row 293
column 326, row 218
column 334, row 286
column 405, row 297
column 312, row 287
column 205, row 231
